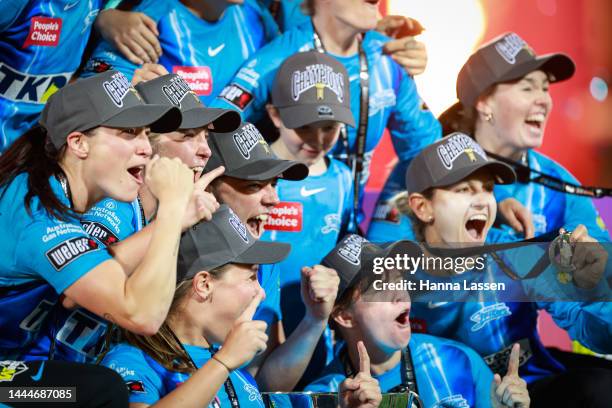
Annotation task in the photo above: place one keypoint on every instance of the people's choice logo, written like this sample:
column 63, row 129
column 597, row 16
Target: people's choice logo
column 285, row 216
column 199, row 79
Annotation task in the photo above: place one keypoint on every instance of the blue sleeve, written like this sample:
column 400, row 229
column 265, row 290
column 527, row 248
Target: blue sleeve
column 482, row 378
column 270, row 26
column 250, row 89
column 59, row 252
column 589, row 323
column 106, row 57
column 11, row 9
column 110, row 221
column 269, row 309
column 144, row 384
column 412, row 125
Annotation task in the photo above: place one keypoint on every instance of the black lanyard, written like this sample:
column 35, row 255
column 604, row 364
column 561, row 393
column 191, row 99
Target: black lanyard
column 229, row 387
column 523, row 174
column 355, row 161
column 407, row 371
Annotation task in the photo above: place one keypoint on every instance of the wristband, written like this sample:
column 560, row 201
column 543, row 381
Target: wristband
column 222, row 363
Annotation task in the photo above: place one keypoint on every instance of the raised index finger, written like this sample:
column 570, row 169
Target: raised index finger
column 364, row 358
column 207, row 178
column 249, row 312
column 513, row 361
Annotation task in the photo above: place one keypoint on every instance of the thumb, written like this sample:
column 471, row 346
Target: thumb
column 494, row 384
column 249, row 312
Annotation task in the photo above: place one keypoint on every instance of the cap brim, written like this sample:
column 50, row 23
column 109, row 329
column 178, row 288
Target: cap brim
column 262, row 252
column 559, row 67
column 306, row 114
column 503, row 173
column 160, row 118
column 223, row 120
column 269, row 168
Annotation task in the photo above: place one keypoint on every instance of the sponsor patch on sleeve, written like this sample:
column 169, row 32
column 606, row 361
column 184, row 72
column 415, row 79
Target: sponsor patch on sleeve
column 99, row 232
column 135, row 386
column 69, row 250
column 385, row 211
column 285, row 216
column 237, row 96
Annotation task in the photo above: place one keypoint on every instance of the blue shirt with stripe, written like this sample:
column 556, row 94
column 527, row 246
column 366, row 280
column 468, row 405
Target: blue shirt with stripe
column 394, row 102
column 148, row 381
column 31, row 69
column 43, row 257
column 448, row 374
column 206, row 54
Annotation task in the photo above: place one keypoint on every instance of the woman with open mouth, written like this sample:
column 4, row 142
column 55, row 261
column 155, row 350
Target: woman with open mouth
column 450, row 201
column 505, row 104
column 92, row 143
column 111, row 221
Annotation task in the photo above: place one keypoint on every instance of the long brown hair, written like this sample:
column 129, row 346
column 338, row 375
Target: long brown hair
column 163, row 346
column 34, row 154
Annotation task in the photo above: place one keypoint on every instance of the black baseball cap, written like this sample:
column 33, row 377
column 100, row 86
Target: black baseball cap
column 106, row 99
column 450, row 160
column 312, row 87
column 352, row 258
column 245, row 155
column 222, row 240
column 173, row 90
column 507, row 58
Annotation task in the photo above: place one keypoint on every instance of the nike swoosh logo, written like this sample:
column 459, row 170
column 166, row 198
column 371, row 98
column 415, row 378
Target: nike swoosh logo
column 307, row 193
column 36, row 377
column 70, row 5
column 214, row 51
column 433, row 305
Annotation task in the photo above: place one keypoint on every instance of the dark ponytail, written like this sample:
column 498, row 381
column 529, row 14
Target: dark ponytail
column 35, row 155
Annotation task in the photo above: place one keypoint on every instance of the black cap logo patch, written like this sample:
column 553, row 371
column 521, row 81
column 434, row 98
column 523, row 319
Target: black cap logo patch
column 246, row 139
column 350, row 251
column 509, row 47
column 117, row 88
column 176, row 90
column 319, row 76
column 455, row 146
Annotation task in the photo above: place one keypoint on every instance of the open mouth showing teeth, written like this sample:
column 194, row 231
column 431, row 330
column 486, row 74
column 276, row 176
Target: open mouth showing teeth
column 403, row 318
column 136, row 172
column 475, row 226
column 256, row 224
column 373, row 2
column 536, row 120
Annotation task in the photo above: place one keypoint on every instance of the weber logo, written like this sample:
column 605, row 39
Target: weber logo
column 70, row 250
column 100, row 232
